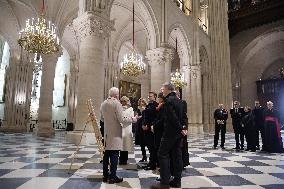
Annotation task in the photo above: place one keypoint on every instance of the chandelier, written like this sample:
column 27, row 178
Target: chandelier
column 39, row 35
column 177, row 79
column 132, row 64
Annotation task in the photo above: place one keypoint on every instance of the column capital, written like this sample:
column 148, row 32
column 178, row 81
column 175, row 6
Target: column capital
column 89, row 23
column 160, row 55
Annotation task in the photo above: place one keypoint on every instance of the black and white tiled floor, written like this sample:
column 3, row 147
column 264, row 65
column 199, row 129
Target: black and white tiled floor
column 28, row 162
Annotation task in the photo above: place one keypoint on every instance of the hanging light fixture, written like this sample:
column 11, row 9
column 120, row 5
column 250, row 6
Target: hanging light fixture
column 39, row 35
column 132, row 64
column 177, row 78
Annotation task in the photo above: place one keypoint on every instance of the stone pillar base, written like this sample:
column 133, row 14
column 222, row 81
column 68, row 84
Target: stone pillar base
column 13, row 129
column 45, row 129
column 195, row 128
column 74, row 137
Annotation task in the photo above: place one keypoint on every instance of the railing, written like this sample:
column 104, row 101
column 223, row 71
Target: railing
column 235, row 5
column 56, row 124
column 183, row 7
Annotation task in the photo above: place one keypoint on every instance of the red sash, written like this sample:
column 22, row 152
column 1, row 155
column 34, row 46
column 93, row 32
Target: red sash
column 276, row 121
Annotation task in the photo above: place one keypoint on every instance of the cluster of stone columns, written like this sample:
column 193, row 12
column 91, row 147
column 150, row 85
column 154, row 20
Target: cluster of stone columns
column 93, row 29
column 17, row 92
column 220, row 86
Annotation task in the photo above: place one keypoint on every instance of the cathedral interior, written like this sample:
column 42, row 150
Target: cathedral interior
column 220, row 50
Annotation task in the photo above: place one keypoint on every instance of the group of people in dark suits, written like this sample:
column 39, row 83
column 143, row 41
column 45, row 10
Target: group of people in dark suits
column 162, row 128
column 248, row 124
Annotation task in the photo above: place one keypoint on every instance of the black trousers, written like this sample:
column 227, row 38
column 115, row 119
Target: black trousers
column 260, row 130
column 123, row 157
column 143, row 150
column 170, row 147
column 218, row 128
column 112, row 157
column 250, row 138
column 239, row 136
column 150, row 143
column 184, row 150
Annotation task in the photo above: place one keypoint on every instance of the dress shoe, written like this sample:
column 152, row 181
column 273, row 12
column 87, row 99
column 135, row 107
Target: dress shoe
column 223, row 148
column 158, row 179
column 242, row 148
column 143, row 160
column 105, row 179
column 160, row 186
column 150, row 168
column 115, row 179
column 215, row 147
column 247, row 149
column 253, row 150
column 175, row 183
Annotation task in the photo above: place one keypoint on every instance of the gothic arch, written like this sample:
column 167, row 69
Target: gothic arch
column 254, row 59
column 145, row 24
column 176, row 31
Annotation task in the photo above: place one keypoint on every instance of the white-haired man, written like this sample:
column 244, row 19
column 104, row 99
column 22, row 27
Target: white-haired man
column 112, row 114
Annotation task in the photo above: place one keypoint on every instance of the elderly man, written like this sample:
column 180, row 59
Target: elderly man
column 220, row 116
column 172, row 137
column 112, row 114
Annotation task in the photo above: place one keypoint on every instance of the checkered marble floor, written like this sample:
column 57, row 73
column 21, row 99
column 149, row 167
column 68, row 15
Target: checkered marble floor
column 28, row 162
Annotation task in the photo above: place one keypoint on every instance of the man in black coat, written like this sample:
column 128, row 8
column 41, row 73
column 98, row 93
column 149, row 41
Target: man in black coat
column 220, row 116
column 185, row 154
column 172, row 138
column 237, row 113
column 259, row 123
column 150, row 117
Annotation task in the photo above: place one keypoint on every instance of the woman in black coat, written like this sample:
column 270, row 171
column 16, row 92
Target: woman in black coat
column 139, row 133
column 249, row 128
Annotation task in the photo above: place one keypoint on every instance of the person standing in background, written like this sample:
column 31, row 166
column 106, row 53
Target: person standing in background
column 139, row 133
column 249, row 128
column 220, row 116
column 236, row 115
column 150, row 116
column 259, row 124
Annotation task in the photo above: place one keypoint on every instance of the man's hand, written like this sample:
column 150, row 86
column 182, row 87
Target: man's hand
column 184, row 132
column 152, row 128
column 145, row 128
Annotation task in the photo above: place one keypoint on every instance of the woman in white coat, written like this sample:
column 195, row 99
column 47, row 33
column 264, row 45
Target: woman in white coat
column 127, row 136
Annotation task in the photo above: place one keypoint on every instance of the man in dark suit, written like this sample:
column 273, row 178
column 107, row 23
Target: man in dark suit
column 220, row 116
column 150, row 117
column 259, row 123
column 237, row 113
column 172, row 138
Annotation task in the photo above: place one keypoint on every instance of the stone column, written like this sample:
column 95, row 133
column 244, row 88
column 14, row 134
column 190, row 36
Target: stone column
column 145, row 85
column 93, row 31
column 73, row 81
column 18, row 88
column 195, row 100
column 220, row 66
column 160, row 61
column 194, row 87
column 45, row 127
